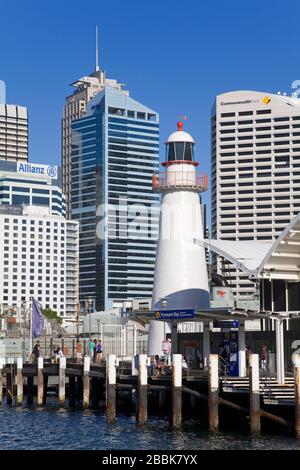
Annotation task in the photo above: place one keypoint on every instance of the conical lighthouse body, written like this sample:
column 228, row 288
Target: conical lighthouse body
column 180, row 279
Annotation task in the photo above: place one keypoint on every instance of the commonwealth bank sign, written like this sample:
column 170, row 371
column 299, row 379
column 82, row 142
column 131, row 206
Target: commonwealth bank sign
column 48, row 171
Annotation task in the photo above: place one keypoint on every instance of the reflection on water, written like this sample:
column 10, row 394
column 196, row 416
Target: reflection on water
column 52, row 428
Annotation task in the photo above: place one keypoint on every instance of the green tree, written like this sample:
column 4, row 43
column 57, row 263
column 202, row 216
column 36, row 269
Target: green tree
column 52, row 315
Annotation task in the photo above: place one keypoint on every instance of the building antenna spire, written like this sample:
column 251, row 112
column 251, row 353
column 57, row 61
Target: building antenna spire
column 97, row 68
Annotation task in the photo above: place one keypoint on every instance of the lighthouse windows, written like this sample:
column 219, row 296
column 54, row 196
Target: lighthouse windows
column 180, row 151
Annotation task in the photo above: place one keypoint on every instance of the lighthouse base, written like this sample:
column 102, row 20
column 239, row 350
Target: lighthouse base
column 158, row 331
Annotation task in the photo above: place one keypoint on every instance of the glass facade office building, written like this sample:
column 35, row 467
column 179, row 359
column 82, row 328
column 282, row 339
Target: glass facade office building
column 115, row 152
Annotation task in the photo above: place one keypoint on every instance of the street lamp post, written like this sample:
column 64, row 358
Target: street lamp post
column 90, row 303
column 164, row 303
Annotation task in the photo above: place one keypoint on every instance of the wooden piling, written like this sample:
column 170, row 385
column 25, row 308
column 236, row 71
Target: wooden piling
column 79, row 388
column 134, row 373
column 30, row 380
column 72, row 391
column 19, row 381
column 254, row 395
column 142, row 411
column 213, row 393
column 176, row 390
column 162, row 400
column 62, row 381
column 2, row 363
column 40, row 382
column 86, row 382
column 10, row 381
column 46, row 378
column 94, row 392
column 111, row 380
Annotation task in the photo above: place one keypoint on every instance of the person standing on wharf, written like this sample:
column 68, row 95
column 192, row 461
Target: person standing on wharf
column 180, row 278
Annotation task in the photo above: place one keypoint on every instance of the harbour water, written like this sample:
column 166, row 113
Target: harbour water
column 59, row 429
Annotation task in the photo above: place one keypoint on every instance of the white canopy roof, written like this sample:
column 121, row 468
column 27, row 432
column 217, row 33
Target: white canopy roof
column 279, row 259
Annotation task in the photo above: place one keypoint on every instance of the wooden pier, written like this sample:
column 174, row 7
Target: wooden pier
column 134, row 387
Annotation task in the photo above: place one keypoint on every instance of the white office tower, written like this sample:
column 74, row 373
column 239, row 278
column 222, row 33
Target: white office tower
column 13, row 133
column 38, row 258
column 255, row 172
column 180, row 279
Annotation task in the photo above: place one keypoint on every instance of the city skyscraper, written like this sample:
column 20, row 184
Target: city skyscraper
column 75, row 107
column 13, row 132
column 255, row 171
column 115, row 152
column 38, row 258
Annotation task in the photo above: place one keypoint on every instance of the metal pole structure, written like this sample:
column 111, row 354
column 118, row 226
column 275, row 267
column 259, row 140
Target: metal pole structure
column 279, row 350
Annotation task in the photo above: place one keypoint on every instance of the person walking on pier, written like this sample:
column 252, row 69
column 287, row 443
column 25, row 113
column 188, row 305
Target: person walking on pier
column 98, row 351
column 59, row 353
column 263, row 357
column 91, row 349
column 36, row 352
column 167, row 348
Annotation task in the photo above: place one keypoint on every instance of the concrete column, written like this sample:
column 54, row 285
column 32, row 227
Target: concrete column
column 279, row 351
column 142, row 415
column 86, row 381
column 213, row 392
column 206, row 343
column 2, row 363
column 176, row 391
column 62, row 381
column 19, row 381
column 242, row 349
column 40, row 382
column 111, row 382
column 296, row 361
column 254, row 395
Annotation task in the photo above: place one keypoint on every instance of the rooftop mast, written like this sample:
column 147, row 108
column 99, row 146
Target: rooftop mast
column 97, row 68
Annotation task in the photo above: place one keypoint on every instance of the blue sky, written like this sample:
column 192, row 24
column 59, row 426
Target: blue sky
column 174, row 56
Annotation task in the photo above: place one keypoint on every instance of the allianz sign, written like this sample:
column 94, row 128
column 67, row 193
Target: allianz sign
column 32, row 168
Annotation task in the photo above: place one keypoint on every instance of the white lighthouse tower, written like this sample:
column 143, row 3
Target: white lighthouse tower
column 180, row 280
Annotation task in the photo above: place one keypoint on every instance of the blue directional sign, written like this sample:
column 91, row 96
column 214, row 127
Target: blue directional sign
column 226, row 324
column 170, row 315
